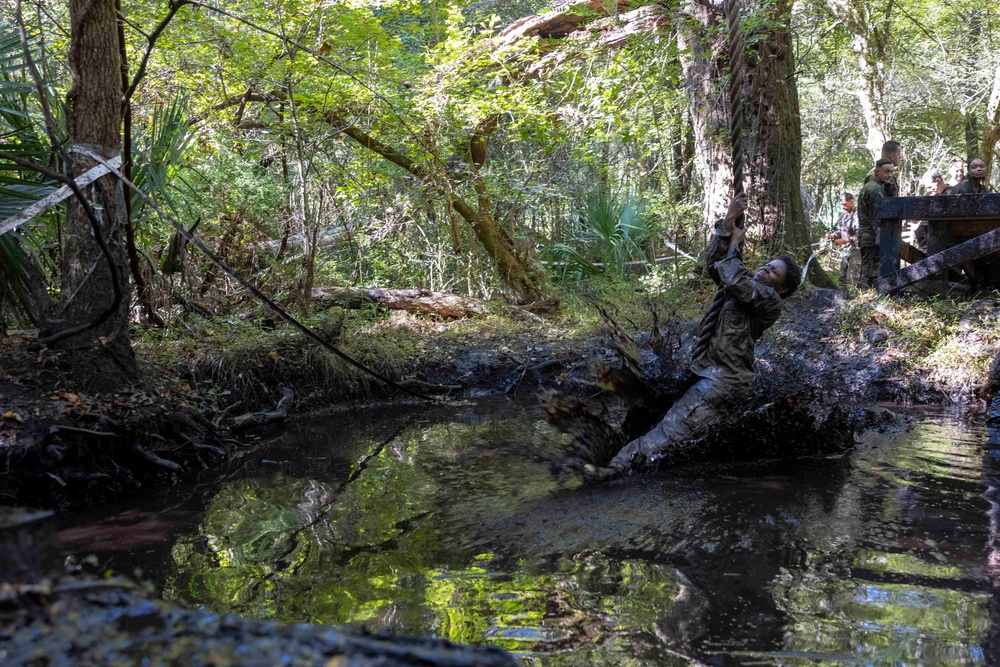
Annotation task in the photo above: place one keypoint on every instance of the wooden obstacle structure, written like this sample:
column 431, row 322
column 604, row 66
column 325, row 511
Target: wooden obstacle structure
column 961, row 229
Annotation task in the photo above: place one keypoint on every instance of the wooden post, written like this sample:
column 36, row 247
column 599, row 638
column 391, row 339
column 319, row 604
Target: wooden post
column 890, row 237
column 948, row 216
column 959, row 254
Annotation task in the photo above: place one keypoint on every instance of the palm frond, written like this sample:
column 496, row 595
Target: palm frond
column 161, row 148
column 21, row 135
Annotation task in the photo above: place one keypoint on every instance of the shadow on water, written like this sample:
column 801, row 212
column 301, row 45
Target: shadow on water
column 450, row 521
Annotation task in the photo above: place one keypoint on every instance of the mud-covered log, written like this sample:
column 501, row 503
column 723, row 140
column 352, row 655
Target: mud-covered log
column 265, row 417
column 410, row 300
column 112, row 622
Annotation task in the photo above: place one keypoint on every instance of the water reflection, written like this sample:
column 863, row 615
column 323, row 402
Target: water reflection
column 451, row 522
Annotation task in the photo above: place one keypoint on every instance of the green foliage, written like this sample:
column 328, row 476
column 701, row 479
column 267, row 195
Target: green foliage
column 611, row 229
column 21, row 134
column 160, row 151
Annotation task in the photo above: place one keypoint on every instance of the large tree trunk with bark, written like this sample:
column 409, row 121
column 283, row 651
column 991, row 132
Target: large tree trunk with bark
column 94, row 290
column 773, row 139
column 772, row 134
column 701, row 40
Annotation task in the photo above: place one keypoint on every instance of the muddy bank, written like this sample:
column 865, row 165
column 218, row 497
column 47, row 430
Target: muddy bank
column 62, row 447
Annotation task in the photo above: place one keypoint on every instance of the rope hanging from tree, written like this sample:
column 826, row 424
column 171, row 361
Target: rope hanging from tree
column 708, row 323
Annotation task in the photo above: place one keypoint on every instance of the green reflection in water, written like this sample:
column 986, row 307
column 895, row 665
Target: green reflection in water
column 397, row 541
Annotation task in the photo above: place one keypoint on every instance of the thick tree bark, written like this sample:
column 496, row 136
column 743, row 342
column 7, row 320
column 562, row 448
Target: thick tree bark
column 773, row 134
column 701, row 41
column 101, row 355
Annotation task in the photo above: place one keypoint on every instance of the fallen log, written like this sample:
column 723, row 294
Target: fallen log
column 265, row 417
column 410, row 300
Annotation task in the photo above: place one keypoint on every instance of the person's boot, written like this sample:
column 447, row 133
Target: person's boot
column 597, row 473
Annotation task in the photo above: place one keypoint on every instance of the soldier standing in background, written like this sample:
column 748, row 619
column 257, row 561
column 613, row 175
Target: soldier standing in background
column 846, row 237
column 976, row 182
column 893, row 152
column 868, row 220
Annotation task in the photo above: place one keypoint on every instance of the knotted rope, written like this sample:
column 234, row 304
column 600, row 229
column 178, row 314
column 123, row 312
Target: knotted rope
column 708, row 323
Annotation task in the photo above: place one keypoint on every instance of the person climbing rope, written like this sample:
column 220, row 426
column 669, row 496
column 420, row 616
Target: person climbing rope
column 723, row 362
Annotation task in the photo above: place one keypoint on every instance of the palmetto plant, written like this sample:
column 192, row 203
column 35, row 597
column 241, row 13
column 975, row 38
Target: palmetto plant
column 606, row 237
column 20, row 135
column 159, row 149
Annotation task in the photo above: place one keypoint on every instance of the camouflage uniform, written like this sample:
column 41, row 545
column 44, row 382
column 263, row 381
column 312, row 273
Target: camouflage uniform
column 967, row 187
column 725, row 370
column 868, row 230
column 891, row 189
column 850, row 255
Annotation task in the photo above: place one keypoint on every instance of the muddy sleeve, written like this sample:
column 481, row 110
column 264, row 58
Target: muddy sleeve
column 740, row 285
column 718, row 248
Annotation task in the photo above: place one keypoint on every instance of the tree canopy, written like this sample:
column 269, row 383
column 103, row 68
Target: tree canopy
column 493, row 149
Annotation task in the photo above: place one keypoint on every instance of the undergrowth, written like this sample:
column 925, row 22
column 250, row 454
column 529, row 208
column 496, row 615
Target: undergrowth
column 946, row 340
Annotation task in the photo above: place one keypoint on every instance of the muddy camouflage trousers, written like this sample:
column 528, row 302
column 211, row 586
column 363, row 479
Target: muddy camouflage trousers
column 701, row 407
column 869, row 265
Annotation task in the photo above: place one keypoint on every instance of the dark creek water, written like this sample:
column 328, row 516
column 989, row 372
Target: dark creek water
column 449, row 521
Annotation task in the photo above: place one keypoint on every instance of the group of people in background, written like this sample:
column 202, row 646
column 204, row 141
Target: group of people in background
column 857, row 228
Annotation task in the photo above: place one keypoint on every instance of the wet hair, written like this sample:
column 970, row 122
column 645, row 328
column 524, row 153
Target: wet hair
column 882, row 162
column 847, row 196
column 793, row 276
column 890, row 147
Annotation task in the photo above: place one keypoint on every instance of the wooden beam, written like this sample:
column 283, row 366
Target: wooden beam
column 963, row 252
column 970, row 228
column 909, row 254
column 890, row 238
column 942, row 207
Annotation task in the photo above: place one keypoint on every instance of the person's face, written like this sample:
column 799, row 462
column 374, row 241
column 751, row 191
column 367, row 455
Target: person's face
column 977, row 169
column 957, row 171
column 884, row 173
column 895, row 157
column 847, row 204
column 773, row 273
column 936, row 187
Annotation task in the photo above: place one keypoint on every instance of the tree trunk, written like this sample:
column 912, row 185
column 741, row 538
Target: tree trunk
column 101, row 357
column 773, row 140
column 701, row 40
column 515, row 264
column 991, row 133
column 142, row 287
column 869, row 28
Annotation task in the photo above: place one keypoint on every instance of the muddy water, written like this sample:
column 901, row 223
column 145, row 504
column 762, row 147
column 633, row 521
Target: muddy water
column 451, row 522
